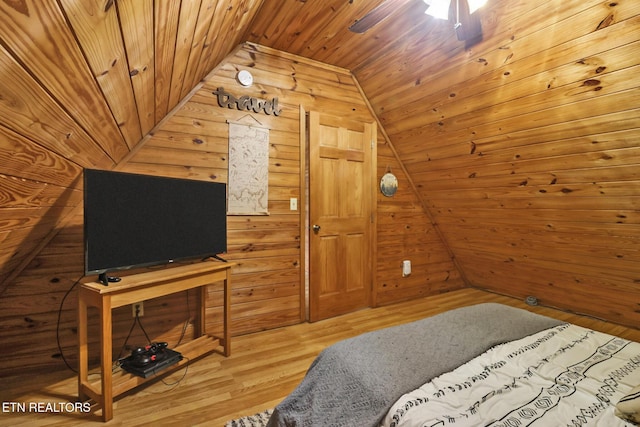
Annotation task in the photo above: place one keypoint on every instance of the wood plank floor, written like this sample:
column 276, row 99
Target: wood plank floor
column 262, row 369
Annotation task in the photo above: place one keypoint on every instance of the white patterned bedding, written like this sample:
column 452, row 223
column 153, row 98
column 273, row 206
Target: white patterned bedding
column 566, row 375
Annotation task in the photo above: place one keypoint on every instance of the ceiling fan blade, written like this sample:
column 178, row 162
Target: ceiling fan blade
column 377, row 15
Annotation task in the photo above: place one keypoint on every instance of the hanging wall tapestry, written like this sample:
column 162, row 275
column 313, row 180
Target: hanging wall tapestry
column 248, row 186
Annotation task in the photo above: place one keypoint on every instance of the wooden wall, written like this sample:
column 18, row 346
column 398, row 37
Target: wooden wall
column 525, row 148
column 268, row 284
column 405, row 231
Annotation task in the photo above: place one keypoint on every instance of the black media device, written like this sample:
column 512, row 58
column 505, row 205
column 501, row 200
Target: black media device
column 133, row 220
column 149, row 360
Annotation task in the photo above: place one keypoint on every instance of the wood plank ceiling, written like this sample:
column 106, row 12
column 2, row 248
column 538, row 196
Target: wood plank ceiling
column 523, row 147
column 84, row 82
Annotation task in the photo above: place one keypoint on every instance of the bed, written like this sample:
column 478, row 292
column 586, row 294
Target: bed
column 487, row 364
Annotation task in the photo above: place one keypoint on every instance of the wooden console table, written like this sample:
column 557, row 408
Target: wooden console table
column 137, row 288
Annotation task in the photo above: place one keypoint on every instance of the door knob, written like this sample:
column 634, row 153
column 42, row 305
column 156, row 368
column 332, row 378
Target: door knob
column 316, row 228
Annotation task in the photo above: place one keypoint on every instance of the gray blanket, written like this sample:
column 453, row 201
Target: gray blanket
column 354, row 382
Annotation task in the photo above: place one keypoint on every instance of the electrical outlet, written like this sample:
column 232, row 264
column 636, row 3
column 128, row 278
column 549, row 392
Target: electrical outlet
column 406, row 268
column 137, row 308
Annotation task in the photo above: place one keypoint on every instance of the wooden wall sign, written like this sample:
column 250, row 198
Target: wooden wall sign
column 225, row 99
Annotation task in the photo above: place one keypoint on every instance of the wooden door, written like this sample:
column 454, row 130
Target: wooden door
column 341, row 188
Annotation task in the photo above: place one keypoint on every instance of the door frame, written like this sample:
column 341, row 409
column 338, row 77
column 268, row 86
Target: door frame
column 305, row 224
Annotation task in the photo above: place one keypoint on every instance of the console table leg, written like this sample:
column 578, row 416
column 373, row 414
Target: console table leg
column 105, row 358
column 83, row 351
column 201, row 324
column 227, row 315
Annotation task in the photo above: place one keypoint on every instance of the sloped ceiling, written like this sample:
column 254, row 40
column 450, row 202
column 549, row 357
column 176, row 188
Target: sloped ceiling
column 83, row 82
column 522, row 146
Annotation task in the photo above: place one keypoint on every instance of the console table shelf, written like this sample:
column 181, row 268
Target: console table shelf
column 142, row 287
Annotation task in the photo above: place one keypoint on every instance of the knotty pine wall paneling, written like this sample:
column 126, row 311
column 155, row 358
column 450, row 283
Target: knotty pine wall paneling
column 524, row 148
column 192, row 142
column 522, row 145
column 405, row 232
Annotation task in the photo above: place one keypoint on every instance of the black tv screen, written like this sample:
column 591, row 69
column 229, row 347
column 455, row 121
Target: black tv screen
column 133, row 220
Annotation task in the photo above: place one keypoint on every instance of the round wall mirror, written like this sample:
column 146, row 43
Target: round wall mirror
column 388, row 184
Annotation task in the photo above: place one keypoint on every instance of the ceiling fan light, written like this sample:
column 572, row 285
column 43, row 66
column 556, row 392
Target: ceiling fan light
column 438, row 8
column 475, row 5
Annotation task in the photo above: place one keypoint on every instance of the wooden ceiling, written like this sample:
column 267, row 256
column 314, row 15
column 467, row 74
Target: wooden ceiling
column 83, row 82
column 81, row 85
column 528, row 131
column 320, row 30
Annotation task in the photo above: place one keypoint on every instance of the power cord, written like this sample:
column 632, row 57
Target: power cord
column 136, row 321
column 60, row 352
column 179, row 380
column 186, row 322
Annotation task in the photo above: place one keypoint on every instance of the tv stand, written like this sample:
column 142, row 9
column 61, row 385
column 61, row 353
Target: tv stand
column 141, row 287
column 219, row 258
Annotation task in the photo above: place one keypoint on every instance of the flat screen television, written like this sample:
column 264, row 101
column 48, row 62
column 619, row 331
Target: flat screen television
column 133, row 220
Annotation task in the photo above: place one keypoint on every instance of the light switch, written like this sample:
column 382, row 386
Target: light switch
column 293, row 204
